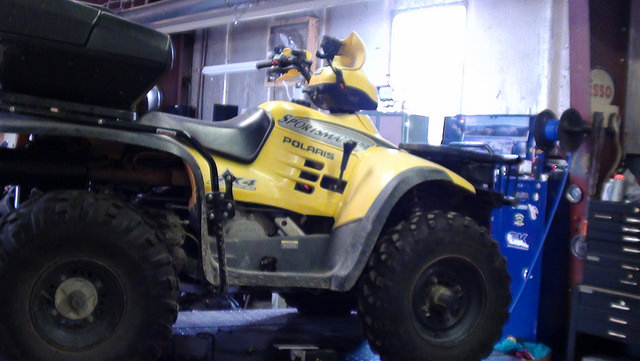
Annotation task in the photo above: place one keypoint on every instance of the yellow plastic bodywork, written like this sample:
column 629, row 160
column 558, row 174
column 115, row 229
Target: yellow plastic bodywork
column 352, row 54
column 352, row 78
column 271, row 178
column 378, row 167
column 349, row 60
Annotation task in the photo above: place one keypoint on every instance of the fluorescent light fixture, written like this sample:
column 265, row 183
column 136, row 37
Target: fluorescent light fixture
column 212, row 70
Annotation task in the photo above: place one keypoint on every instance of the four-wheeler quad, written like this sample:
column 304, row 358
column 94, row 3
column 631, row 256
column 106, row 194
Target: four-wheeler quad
column 107, row 214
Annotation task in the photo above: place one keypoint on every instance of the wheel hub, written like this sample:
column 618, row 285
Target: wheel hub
column 443, row 304
column 76, row 298
column 444, row 297
column 448, row 297
column 77, row 303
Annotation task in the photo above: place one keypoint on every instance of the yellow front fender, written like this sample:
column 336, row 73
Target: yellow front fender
column 378, row 168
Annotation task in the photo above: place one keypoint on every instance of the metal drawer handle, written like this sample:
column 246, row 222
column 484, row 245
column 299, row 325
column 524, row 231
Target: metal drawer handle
column 616, row 334
column 630, row 220
column 630, row 250
column 628, row 283
column 620, row 305
column 630, row 239
column 606, row 216
column 618, row 321
column 630, row 229
column 630, row 268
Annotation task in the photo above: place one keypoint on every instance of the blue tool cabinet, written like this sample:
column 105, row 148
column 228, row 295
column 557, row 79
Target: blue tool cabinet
column 518, row 230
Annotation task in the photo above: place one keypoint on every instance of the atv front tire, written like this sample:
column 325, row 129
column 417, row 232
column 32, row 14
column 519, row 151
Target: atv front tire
column 435, row 289
column 83, row 277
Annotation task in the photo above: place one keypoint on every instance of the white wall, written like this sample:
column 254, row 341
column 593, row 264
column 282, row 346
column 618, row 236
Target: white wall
column 372, row 21
column 516, row 54
column 559, row 85
column 506, row 66
column 517, row 51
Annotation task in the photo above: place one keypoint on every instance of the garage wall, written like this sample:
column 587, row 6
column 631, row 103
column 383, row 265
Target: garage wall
column 508, row 66
column 516, row 59
column 247, row 41
column 372, row 21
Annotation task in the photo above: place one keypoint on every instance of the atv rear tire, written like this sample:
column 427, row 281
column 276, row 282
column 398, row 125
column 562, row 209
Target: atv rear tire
column 323, row 303
column 83, row 277
column 435, row 289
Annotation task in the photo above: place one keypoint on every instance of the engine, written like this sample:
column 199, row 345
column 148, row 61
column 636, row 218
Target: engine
column 247, row 224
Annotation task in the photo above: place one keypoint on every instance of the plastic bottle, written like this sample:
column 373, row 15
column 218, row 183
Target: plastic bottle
column 617, row 193
column 613, row 189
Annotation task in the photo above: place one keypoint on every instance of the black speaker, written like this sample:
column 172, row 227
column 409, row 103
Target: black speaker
column 453, row 129
column 183, row 110
column 224, row 112
column 418, row 129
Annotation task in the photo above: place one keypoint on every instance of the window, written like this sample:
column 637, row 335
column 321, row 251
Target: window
column 427, row 51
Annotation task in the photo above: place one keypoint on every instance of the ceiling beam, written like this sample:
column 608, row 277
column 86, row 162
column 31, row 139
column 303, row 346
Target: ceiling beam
column 167, row 9
column 172, row 22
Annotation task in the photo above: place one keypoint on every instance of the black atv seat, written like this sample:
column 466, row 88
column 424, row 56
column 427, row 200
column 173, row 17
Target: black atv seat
column 240, row 138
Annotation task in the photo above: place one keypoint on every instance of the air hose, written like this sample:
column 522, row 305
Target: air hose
column 570, row 130
column 543, row 238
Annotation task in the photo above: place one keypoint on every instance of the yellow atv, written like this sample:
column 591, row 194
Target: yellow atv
column 107, row 216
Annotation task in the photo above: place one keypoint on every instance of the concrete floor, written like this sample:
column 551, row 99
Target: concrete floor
column 268, row 335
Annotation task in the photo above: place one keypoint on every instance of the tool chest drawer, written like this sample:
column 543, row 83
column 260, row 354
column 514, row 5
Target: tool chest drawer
column 613, row 231
column 604, row 313
column 621, row 250
column 607, row 313
column 615, row 302
column 612, row 273
column 627, row 213
column 613, row 226
column 607, row 305
column 607, row 320
column 600, row 324
column 611, row 263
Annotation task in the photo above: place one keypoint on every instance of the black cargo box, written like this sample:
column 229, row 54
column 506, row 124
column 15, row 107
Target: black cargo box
column 68, row 51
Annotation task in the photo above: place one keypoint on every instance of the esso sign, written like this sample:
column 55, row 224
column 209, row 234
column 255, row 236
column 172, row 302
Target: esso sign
column 602, row 88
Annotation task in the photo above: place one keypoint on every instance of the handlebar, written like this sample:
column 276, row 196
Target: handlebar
column 298, row 53
column 281, row 63
column 329, row 48
column 264, row 64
